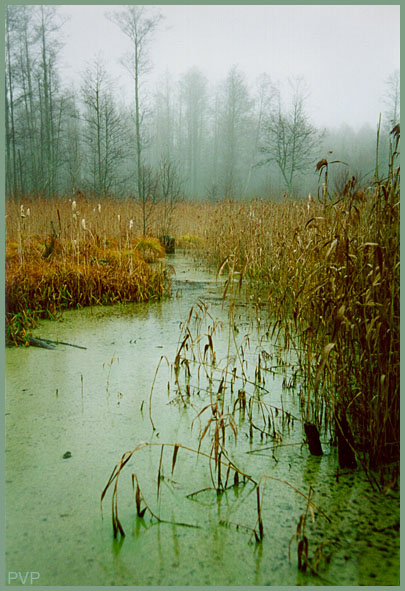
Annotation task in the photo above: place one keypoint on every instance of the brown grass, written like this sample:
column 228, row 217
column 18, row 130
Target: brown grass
column 329, row 270
column 66, row 254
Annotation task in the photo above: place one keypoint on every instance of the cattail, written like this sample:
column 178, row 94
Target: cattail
column 99, row 208
column 131, row 224
column 28, row 212
column 22, row 214
column 119, row 218
column 84, row 224
column 73, row 206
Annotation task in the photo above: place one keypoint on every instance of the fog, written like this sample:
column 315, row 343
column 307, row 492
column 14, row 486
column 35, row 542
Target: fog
column 344, row 52
column 203, row 102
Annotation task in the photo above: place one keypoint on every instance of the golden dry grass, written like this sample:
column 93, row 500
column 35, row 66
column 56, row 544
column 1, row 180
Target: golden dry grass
column 65, row 253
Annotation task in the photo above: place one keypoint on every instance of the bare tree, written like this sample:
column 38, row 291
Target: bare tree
column 51, row 100
column 35, row 105
column 72, row 147
column 103, row 130
column 264, row 98
column 392, row 100
column 135, row 22
column 11, row 150
column 392, row 118
column 164, row 113
column 235, row 110
column 193, row 93
column 170, row 189
column 149, row 184
column 289, row 139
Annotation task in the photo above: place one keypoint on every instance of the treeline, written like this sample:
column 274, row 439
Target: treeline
column 187, row 137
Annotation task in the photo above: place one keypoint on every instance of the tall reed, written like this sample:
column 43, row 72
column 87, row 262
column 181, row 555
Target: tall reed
column 329, row 269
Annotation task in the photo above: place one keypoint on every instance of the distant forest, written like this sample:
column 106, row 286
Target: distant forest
column 230, row 140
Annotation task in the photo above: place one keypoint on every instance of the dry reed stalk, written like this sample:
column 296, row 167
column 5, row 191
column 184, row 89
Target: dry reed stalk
column 331, row 272
column 139, row 497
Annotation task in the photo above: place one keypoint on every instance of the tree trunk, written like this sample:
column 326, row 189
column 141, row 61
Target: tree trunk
column 12, row 143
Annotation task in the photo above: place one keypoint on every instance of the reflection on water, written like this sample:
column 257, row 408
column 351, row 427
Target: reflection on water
column 93, row 404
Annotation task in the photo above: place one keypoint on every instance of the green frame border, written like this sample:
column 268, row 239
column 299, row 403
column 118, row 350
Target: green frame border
column 3, row 5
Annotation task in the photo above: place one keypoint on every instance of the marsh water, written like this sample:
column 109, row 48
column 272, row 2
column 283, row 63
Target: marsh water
column 71, row 413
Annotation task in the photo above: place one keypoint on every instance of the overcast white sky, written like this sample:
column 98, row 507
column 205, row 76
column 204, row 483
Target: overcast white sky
column 345, row 53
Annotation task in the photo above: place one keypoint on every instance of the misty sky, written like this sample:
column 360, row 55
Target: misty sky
column 344, row 53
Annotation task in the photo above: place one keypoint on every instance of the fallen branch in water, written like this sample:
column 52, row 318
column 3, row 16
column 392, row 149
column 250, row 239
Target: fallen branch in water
column 48, row 344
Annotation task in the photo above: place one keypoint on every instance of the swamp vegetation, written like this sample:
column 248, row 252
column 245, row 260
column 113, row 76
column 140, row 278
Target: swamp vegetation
column 300, row 336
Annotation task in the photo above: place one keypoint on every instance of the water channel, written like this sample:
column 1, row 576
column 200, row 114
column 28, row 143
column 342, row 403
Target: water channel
column 70, row 415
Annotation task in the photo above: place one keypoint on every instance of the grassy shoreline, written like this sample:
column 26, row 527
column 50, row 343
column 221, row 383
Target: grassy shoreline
column 59, row 256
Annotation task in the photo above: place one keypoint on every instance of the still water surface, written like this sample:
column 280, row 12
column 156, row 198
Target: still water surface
column 94, row 404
